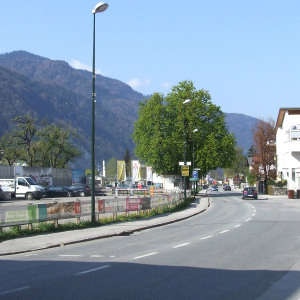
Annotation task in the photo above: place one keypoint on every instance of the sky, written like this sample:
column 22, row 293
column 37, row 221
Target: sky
column 246, row 54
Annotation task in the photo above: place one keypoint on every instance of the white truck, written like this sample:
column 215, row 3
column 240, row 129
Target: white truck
column 22, row 187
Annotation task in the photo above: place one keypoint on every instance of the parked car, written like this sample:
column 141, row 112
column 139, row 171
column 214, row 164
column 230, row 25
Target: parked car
column 133, row 186
column 59, row 191
column 2, row 195
column 226, row 188
column 122, row 187
column 214, row 188
column 249, row 192
column 82, row 189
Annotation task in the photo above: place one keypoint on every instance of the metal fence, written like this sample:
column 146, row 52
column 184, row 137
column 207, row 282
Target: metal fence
column 53, row 211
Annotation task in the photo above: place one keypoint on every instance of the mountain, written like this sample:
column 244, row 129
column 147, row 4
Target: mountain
column 33, row 84
column 240, row 125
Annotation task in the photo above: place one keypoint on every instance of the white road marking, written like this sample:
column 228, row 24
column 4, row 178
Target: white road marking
column 224, row 231
column 248, row 219
column 92, row 270
column 149, row 254
column 237, row 225
column 69, row 255
column 15, row 290
column 111, row 256
column 97, row 256
column 253, row 215
column 207, row 237
column 180, row 245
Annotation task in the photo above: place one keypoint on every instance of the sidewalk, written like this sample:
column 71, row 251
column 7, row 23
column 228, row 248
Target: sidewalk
column 57, row 239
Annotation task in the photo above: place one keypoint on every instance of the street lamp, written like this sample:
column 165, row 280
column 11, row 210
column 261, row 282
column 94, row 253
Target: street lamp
column 184, row 161
column 100, row 7
column 195, row 130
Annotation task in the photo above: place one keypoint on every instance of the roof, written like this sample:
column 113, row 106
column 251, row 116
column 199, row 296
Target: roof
column 281, row 114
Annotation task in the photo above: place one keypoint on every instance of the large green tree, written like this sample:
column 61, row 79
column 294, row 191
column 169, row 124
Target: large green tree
column 159, row 131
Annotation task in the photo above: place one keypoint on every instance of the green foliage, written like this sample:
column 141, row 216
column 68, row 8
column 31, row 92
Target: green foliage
column 251, row 178
column 281, row 183
column 239, row 166
column 270, row 182
column 39, row 144
column 111, row 168
column 158, row 133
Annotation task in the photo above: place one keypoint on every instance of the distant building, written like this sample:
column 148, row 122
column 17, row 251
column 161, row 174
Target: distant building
column 287, row 132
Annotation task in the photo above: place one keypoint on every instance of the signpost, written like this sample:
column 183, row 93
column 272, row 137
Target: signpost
column 185, row 171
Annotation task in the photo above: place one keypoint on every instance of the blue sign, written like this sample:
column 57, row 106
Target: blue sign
column 195, row 174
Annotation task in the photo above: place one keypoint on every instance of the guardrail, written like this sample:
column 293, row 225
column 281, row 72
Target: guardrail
column 55, row 211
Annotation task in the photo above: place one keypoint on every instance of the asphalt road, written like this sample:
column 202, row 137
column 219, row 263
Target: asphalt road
column 235, row 250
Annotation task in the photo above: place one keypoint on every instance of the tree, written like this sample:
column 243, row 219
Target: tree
column 56, row 148
column 10, row 149
column 264, row 150
column 111, row 167
column 24, row 137
column 39, row 144
column 158, row 132
column 127, row 159
column 239, row 166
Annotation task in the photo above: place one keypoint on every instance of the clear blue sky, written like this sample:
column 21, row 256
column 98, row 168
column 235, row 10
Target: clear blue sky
column 245, row 53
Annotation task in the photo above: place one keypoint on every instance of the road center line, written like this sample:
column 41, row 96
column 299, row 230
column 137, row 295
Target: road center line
column 180, row 245
column 149, row 254
column 224, row 231
column 15, row 290
column 253, row 215
column 92, row 270
column 206, row 237
column 237, row 225
column 248, row 219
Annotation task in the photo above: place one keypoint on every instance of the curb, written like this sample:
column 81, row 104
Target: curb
column 122, row 233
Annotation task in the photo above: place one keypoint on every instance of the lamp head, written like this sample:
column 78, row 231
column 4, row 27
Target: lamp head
column 100, row 7
column 195, row 130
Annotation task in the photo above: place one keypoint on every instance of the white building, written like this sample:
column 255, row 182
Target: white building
column 287, row 132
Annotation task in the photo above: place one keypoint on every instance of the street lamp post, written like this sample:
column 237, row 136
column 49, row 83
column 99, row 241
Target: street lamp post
column 195, row 130
column 184, row 160
column 100, row 7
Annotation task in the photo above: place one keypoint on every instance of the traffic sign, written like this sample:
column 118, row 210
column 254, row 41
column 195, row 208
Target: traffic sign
column 185, row 171
column 194, row 179
column 195, row 174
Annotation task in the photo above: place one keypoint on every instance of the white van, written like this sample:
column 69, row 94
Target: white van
column 22, row 187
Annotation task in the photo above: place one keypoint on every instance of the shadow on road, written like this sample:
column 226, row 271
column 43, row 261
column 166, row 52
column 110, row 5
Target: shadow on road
column 114, row 280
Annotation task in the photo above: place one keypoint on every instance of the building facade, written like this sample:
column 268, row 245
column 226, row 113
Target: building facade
column 288, row 146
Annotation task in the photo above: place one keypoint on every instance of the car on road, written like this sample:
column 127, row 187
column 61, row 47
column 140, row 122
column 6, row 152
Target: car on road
column 2, row 195
column 81, row 189
column 226, row 188
column 249, row 192
column 214, row 188
column 59, row 191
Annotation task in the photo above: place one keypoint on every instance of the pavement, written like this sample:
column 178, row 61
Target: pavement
column 58, row 239
column 288, row 287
